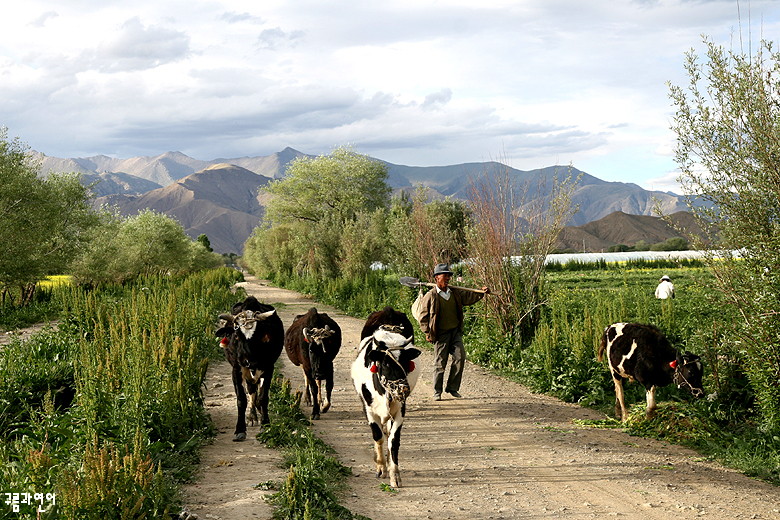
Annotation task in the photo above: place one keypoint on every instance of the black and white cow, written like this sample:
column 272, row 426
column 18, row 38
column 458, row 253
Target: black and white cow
column 388, row 317
column 252, row 339
column 384, row 375
column 642, row 353
column 312, row 342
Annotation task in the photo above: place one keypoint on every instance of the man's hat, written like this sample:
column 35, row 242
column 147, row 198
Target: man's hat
column 441, row 269
column 665, row 277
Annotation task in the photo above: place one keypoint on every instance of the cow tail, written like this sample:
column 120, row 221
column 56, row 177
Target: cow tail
column 603, row 345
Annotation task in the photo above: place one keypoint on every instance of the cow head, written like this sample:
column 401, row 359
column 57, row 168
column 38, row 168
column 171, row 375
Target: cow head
column 237, row 331
column 688, row 371
column 315, row 340
column 391, row 364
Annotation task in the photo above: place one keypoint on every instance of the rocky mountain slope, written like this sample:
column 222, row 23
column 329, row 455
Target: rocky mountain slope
column 219, row 197
column 623, row 228
column 221, row 201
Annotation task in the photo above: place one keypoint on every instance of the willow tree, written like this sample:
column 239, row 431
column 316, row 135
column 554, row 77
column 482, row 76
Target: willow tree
column 424, row 232
column 318, row 199
column 727, row 123
column 43, row 221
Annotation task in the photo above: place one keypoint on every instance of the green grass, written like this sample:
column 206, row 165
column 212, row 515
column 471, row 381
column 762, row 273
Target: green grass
column 107, row 411
column 560, row 359
column 315, row 477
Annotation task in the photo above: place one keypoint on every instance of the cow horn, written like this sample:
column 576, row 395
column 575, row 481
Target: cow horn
column 263, row 315
column 227, row 317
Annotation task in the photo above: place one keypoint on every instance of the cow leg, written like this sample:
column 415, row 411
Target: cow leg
column 620, row 400
column 307, row 391
column 251, row 417
column 379, row 449
column 324, row 393
column 394, row 442
column 315, row 400
column 238, row 386
column 650, row 394
column 264, row 391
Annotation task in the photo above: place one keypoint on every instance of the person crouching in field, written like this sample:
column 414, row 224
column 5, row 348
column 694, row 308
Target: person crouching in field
column 442, row 323
column 665, row 288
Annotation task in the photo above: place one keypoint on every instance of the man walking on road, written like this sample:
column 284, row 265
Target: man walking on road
column 442, row 323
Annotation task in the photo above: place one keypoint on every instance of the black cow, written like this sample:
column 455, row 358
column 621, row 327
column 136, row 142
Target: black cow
column 392, row 319
column 312, row 342
column 384, row 375
column 642, row 353
column 252, row 338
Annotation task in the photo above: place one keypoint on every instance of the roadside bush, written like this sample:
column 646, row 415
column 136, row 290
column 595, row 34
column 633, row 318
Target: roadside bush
column 134, row 358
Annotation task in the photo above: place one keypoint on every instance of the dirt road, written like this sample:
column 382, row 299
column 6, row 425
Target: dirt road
column 500, row 452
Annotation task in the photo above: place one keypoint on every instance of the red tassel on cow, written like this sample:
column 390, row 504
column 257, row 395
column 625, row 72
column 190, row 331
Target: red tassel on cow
column 374, row 369
column 410, row 366
column 673, row 364
column 224, row 342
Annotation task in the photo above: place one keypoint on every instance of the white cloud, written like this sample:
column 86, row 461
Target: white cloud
column 535, row 82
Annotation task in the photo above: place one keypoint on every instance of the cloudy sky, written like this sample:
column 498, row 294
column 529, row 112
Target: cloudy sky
column 531, row 83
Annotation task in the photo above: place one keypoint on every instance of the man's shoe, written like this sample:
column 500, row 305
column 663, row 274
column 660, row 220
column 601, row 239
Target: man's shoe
column 455, row 393
column 437, row 397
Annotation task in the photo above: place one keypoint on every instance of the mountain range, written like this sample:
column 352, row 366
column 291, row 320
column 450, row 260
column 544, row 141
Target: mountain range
column 221, row 198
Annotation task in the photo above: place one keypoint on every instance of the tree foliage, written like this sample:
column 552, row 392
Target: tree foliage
column 324, row 217
column 150, row 243
column 423, row 232
column 727, row 123
column 44, row 223
column 333, row 188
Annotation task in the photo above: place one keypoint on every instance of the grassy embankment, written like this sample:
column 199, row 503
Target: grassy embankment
column 106, row 411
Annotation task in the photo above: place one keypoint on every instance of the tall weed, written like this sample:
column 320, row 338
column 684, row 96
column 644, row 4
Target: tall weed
column 133, row 359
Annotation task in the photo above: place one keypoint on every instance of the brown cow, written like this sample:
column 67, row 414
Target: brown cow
column 312, row 342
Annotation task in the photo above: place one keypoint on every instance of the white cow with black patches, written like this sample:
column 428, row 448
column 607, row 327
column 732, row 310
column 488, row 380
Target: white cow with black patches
column 384, row 375
column 641, row 353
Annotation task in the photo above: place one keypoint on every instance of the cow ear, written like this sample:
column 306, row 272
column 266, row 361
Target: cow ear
column 409, row 354
column 223, row 332
column 375, row 355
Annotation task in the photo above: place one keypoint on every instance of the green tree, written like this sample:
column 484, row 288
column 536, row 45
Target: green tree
column 44, row 223
column 310, row 210
column 423, row 232
column 121, row 249
column 727, row 123
column 671, row 244
column 335, row 187
column 204, row 240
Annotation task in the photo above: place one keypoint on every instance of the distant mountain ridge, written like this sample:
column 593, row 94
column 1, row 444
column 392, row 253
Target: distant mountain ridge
column 221, row 201
column 622, row 228
column 220, row 197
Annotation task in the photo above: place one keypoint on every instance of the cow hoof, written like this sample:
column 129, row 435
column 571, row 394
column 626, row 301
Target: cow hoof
column 239, row 437
column 315, row 416
column 325, row 408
